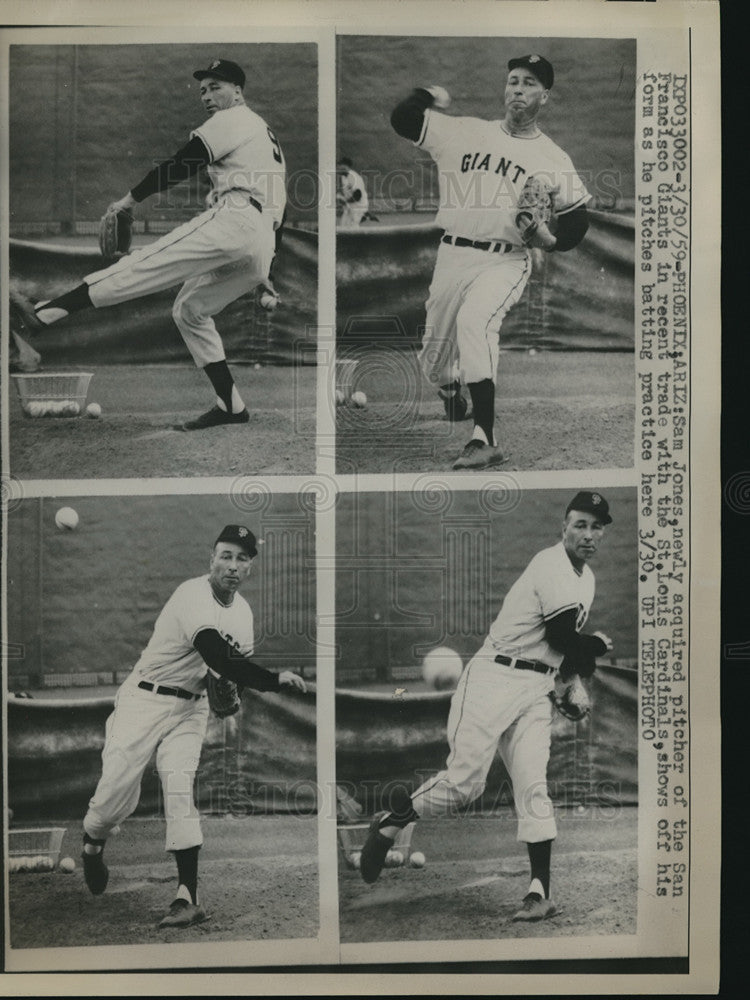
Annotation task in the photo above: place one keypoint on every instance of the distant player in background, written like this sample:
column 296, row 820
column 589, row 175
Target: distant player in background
column 503, row 700
column 162, row 707
column 222, row 253
column 484, row 260
column 351, row 195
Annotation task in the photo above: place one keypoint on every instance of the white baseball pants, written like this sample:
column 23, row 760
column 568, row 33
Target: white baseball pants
column 219, row 255
column 142, row 722
column 495, row 705
column 470, row 295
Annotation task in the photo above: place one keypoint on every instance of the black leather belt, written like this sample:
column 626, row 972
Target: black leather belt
column 494, row 246
column 175, row 692
column 509, row 661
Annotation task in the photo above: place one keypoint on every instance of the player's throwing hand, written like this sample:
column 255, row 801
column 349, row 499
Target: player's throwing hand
column 289, row 679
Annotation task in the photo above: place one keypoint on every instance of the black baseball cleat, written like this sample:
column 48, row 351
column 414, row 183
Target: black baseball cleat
column 535, row 908
column 95, row 872
column 214, row 418
column 181, row 913
column 478, row 455
column 455, row 406
column 374, row 852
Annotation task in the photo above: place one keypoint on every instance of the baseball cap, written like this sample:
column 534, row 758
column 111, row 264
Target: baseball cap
column 539, row 66
column 239, row 535
column 223, row 69
column 590, row 503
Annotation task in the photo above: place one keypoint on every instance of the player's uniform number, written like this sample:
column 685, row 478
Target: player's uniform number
column 276, row 147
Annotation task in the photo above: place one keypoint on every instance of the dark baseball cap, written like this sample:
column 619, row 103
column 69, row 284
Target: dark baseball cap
column 538, row 65
column 590, row 503
column 239, row 535
column 223, row 69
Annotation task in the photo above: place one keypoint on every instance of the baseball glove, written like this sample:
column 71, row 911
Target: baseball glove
column 534, row 208
column 572, row 700
column 223, row 695
column 115, row 232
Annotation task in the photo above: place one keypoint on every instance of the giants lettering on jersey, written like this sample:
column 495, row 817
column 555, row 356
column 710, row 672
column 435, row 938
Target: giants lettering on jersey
column 472, row 161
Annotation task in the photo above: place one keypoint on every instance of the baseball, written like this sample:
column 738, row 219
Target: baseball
column 532, row 351
column 66, row 519
column 441, row 668
column 93, row 410
column 67, row 865
column 71, row 408
column 268, row 301
column 397, row 858
column 359, row 399
column 356, row 859
column 441, row 97
column 417, row 860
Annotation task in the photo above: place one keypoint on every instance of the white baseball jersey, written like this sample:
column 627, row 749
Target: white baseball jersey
column 352, row 182
column 170, row 657
column 245, row 154
column 549, row 585
column 482, row 170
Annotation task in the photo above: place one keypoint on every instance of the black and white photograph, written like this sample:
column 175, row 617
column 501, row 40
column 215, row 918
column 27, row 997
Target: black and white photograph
column 163, row 258
column 360, row 498
column 161, row 721
column 486, row 699
column 485, row 297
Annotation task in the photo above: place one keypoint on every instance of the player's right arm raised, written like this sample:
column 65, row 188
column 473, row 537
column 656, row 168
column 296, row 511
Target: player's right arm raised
column 407, row 117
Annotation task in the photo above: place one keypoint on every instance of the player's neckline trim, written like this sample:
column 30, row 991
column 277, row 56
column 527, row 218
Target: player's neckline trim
column 512, row 135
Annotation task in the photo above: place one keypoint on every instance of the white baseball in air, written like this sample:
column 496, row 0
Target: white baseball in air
column 442, row 667
column 442, row 98
column 67, row 865
column 417, row 860
column 93, row 410
column 359, row 399
column 66, row 519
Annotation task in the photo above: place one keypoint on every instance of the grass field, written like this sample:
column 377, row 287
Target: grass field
column 258, row 881
column 554, row 410
column 135, row 435
column 477, row 874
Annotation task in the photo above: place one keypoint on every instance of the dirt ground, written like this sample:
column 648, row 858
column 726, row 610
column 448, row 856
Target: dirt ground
column 258, row 881
column 477, row 874
column 134, row 437
column 555, row 410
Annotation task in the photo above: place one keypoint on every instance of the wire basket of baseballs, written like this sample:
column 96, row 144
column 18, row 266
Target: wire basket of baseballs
column 53, row 394
column 34, row 850
column 352, row 839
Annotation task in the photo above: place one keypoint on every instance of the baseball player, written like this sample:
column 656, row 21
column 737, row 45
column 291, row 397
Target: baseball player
column 503, row 699
column 222, row 253
column 351, row 195
column 162, row 706
column 484, row 258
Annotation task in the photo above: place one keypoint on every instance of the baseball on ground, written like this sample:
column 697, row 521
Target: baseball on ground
column 93, row 410
column 66, row 519
column 67, row 865
column 359, row 399
column 397, row 858
column 417, row 860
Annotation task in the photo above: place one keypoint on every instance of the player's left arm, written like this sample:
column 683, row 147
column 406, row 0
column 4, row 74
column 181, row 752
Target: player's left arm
column 186, row 161
column 571, row 228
